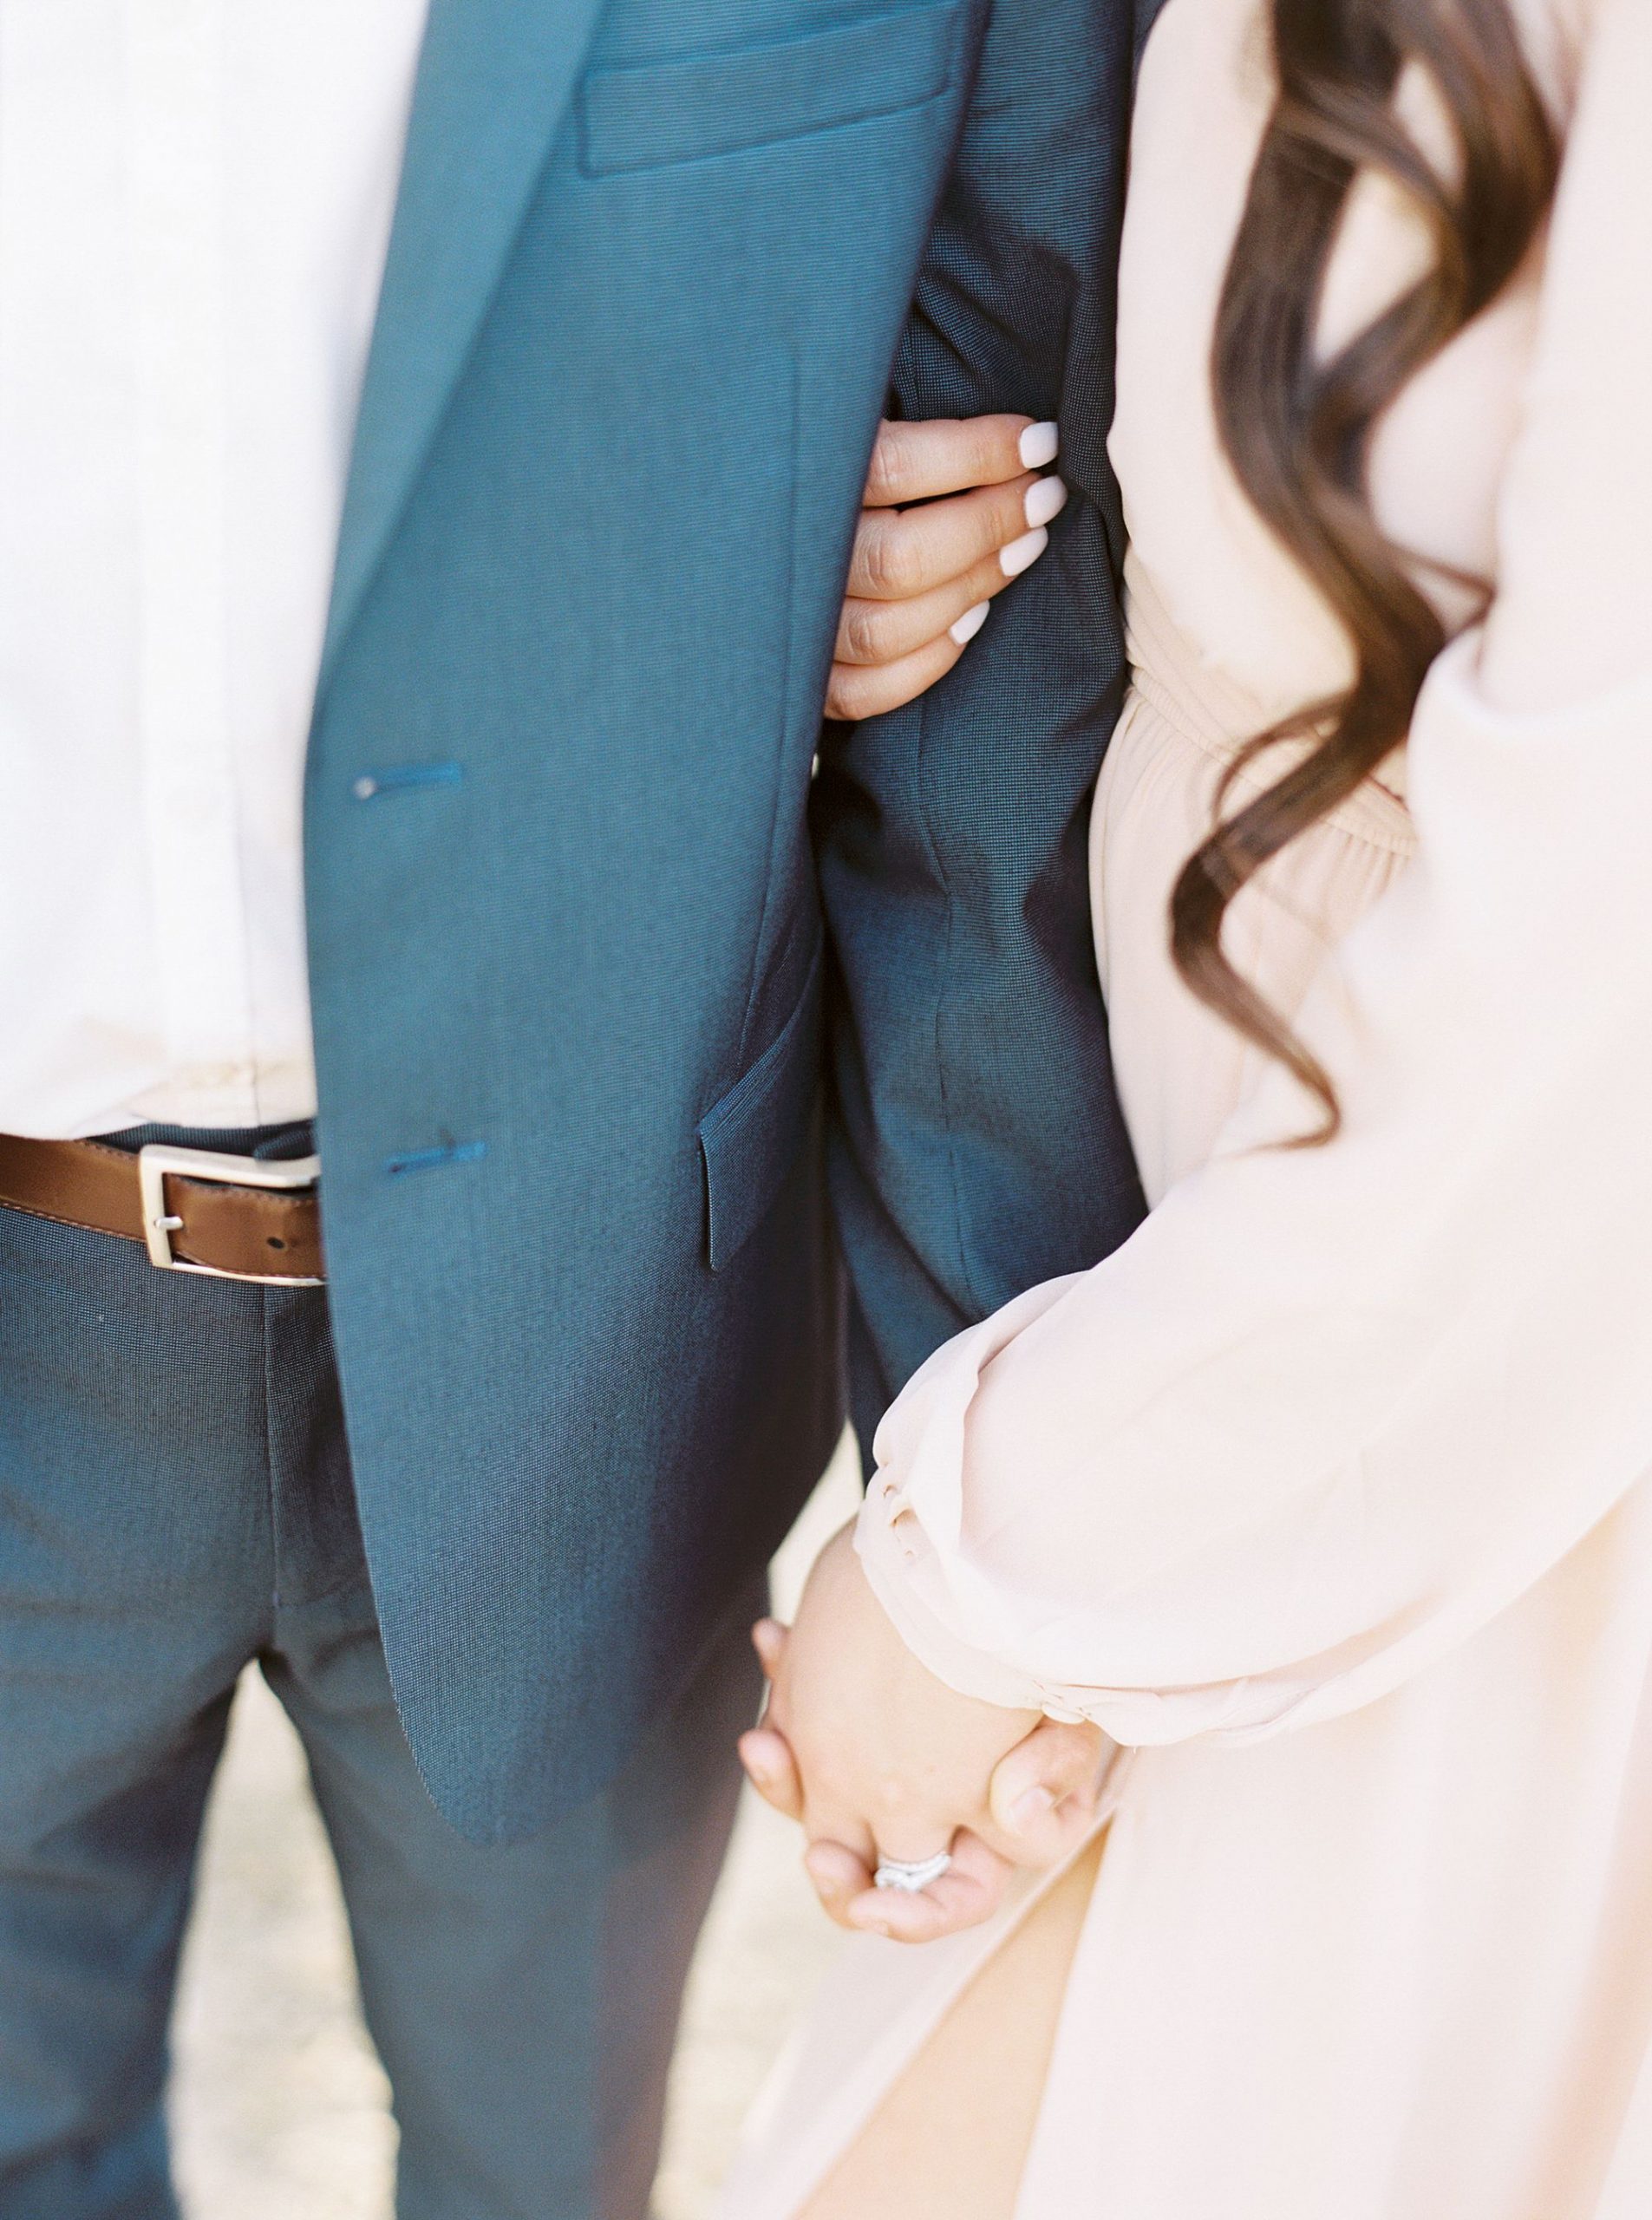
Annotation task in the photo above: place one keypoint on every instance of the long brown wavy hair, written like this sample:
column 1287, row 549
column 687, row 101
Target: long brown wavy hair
column 1298, row 430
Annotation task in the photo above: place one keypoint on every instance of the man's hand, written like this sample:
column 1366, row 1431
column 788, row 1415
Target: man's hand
column 922, row 578
column 877, row 1757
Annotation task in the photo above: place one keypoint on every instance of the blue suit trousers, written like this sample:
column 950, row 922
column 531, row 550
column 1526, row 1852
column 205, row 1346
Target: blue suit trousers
column 176, row 1501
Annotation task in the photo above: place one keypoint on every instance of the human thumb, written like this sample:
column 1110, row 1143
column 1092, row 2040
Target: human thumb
column 1043, row 1793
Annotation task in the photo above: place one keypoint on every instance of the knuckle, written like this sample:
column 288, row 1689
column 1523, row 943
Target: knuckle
column 865, row 632
column 886, row 1799
column 891, row 472
column 847, row 694
column 889, row 558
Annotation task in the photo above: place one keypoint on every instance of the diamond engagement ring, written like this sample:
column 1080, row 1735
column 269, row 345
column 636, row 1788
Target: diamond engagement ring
column 912, row 1877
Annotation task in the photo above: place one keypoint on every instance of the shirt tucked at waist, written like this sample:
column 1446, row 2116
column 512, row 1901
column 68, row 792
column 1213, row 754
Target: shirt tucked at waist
column 195, row 200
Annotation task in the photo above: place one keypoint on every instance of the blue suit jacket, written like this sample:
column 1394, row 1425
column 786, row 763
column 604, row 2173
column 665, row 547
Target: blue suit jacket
column 655, row 265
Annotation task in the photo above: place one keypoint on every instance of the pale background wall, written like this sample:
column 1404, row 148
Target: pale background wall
column 278, row 2109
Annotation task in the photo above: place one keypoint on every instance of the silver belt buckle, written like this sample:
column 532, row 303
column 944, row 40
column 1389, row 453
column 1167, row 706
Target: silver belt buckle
column 159, row 1157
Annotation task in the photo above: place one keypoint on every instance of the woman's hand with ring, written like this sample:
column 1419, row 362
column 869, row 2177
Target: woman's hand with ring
column 879, row 1761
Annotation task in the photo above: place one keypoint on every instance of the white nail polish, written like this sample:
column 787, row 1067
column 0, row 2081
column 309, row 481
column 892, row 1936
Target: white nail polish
column 969, row 624
column 1022, row 552
column 1039, row 444
column 1045, row 501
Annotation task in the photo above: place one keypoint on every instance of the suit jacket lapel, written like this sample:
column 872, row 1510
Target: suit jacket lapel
column 495, row 78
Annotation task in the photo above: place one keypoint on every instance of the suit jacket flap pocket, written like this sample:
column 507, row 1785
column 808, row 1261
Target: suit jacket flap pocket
column 751, row 1138
column 642, row 115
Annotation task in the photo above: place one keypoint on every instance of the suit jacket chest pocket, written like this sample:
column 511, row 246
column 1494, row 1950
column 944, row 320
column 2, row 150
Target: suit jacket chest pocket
column 646, row 116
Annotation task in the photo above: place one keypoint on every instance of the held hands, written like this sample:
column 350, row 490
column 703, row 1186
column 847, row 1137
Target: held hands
column 877, row 1757
column 920, row 579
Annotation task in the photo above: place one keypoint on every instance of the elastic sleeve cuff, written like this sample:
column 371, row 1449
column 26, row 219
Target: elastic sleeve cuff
column 904, row 1575
column 949, row 1611
column 909, row 1535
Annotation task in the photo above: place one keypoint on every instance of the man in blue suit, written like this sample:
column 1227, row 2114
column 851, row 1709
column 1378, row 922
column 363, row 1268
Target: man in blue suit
column 542, row 977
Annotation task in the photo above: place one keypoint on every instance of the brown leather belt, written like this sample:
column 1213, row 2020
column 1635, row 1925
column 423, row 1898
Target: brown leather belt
column 231, row 1217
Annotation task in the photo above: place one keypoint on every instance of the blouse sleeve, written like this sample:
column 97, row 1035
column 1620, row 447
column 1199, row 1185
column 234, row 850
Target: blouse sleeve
column 1330, row 1410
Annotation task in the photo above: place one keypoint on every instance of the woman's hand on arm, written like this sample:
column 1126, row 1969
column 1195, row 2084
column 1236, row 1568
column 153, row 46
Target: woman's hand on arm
column 921, row 577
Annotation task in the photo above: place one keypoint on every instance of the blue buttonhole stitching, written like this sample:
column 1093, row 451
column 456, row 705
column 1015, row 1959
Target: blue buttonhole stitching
column 436, row 1160
column 404, row 777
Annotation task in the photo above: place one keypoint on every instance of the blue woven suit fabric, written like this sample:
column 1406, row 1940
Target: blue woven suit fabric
column 175, row 1502
column 657, row 269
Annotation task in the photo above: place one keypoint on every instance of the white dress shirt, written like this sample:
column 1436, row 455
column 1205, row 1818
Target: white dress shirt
column 195, row 200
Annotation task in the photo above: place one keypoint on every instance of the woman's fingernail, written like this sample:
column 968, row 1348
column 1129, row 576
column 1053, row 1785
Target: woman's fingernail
column 1021, row 554
column 1046, row 500
column 969, row 624
column 1039, row 443
column 1030, row 1806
